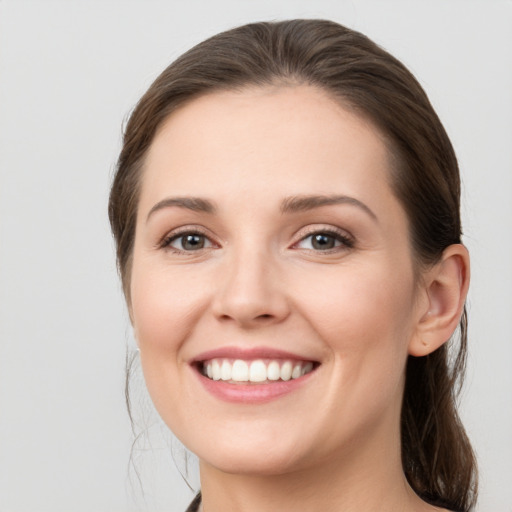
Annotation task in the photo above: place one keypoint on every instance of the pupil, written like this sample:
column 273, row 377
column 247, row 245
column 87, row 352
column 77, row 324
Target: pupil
column 193, row 242
column 323, row 242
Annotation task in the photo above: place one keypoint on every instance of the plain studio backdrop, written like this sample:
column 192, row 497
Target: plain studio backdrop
column 70, row 72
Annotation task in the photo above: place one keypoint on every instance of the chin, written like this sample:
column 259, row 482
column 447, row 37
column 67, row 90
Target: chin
column 263, row 463
column 249, row 456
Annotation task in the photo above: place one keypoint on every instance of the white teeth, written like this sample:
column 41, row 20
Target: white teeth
column 255, row 371
column 297, row 371
column 215, row 370
column 286, row 371
column 273, row 371
column 240, row 371
column 225, row 371
column 258, row 371
column 307, row 368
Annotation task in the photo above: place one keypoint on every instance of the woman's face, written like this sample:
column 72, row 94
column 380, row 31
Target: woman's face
column 270, row 243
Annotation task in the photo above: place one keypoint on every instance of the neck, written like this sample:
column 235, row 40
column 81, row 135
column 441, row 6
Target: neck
column 370, row 481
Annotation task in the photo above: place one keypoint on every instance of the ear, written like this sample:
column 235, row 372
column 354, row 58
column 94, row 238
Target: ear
column 446, row 286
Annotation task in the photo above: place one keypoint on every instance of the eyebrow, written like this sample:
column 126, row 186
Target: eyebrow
column 303, row 203
column 290, row 204
column 196, row 204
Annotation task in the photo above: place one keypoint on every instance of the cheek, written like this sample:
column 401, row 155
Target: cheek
column 364, row 315
column 165, row 306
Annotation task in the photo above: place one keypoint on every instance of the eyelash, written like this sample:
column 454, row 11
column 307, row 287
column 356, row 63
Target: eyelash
column 346, row 242
column 169, row 239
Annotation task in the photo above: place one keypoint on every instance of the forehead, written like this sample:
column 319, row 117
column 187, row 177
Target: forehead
column 274, row 140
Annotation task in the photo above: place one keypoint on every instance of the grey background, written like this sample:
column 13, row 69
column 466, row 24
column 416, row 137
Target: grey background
column 70, row 71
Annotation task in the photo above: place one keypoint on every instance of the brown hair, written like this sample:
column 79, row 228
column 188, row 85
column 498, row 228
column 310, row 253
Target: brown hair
column 436, row 455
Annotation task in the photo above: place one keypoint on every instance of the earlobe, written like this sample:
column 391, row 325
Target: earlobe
column 446, row 286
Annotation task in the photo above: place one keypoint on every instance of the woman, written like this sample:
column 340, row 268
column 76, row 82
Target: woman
column 286, row 214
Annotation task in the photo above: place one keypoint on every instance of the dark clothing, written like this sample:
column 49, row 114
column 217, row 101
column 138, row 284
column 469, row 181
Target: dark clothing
column 194, row 506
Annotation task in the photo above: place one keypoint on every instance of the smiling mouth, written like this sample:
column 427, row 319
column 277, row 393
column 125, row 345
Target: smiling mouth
column 258, row 371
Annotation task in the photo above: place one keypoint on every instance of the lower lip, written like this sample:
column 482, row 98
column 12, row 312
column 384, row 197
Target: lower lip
column 252, row 393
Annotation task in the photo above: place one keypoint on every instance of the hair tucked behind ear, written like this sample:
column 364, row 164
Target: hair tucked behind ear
column 437, row 457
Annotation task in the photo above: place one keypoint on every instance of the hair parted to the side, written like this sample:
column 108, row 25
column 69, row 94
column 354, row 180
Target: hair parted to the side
column 437, row 457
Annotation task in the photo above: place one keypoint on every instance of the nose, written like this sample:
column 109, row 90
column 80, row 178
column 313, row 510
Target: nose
column 250, row 292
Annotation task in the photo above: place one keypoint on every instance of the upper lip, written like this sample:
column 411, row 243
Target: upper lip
column 249, row 354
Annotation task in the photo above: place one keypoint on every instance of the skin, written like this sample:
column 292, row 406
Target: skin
column 357, row 309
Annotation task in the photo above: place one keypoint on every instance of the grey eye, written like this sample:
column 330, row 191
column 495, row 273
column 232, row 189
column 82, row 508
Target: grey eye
column 190, row 242
column 320, row 242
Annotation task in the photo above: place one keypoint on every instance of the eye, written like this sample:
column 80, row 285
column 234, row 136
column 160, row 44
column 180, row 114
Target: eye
column 324, row 241
column 187, row 242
